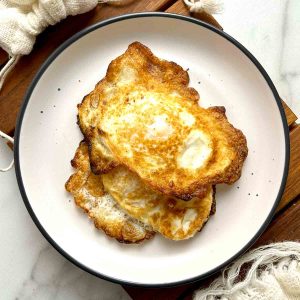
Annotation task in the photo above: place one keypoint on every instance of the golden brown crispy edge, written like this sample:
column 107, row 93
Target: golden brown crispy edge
column 231, row 174
column 122, row 231
column 237, row 141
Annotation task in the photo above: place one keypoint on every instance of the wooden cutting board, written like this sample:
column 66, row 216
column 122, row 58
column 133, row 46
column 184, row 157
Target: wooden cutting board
column 286, row 223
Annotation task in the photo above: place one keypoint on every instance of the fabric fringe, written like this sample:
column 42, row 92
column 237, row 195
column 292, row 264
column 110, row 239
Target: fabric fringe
column 3, row 73
column 208, row 6
column 7, row 68
column 274, row 274
column 10, row 139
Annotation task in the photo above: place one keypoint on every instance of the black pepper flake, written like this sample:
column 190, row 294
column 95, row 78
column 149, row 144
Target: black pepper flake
column 237, row 187
column 54, row 106
column 79, row 80
column 252, row 173
column 249, row 194
column 42, row 112
column 187, row 69
column 199, row 82
column 58, row 89
column 273, row 158
column 256, row 195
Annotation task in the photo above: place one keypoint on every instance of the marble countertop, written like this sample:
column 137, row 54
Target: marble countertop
column 31, row 269
column 270, row 30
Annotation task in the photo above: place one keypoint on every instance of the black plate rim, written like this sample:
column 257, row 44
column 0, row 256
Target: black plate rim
column 82, row 33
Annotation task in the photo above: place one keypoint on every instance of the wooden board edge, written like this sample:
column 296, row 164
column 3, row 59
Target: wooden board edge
column 290, row 116
column 180, row 8
column 292, row 188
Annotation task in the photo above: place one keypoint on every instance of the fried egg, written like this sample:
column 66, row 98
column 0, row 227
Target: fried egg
column 174, row 218
column 144, row 116
column 89, row 194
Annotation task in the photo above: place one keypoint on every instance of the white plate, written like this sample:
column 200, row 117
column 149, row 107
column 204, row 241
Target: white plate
column 224, row 73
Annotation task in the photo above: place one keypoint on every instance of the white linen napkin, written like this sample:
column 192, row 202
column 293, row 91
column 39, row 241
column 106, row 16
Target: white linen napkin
column 22, row 20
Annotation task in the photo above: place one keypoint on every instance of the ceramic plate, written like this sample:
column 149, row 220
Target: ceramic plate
column 224, row 73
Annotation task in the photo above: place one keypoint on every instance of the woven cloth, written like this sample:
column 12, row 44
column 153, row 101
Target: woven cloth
column 274, row 274
column 208, row 6
column 22, row 20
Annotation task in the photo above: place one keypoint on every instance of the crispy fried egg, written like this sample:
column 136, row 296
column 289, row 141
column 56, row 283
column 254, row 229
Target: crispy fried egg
column 144, row 116
column 174, row 218
column 88, row 192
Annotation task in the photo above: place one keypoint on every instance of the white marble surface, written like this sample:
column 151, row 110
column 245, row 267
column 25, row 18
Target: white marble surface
column 31, row 269
column 271, row 31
